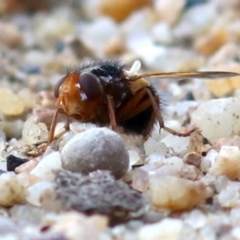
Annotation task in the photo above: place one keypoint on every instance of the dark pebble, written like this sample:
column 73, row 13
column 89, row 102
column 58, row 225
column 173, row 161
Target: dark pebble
column 13, row 162
column 192, row 3
column 189, row 96
column 31, row 69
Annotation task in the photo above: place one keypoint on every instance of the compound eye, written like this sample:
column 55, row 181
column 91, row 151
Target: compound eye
column 90, row 85
column 57, row 86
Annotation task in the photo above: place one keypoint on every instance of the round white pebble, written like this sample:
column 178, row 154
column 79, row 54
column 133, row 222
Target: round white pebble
column 96, row 149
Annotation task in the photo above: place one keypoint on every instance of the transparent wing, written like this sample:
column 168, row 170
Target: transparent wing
column 185, row 75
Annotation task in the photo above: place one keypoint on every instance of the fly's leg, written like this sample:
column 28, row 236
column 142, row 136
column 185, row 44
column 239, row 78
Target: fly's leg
column 138, row 105
column 160, row 118
column 66, row 128
column 129, row 109
column 111, row 111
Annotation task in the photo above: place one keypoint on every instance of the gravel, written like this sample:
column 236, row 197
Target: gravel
column 166, row 187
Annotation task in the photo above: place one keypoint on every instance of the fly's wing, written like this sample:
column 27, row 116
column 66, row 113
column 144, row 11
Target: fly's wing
column 187, row 75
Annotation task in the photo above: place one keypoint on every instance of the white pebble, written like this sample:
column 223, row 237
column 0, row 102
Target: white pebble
column 234, row 216
column 37, row 192
column 221, row 183
column 230, row 196
column 103, row 30
column 162, row 33
column 7, row 226
column 235, row 233
column 211, row 156
column 133, row 157
column 34, row 132
column 196, row 219
column 96, row 149
column 45, row 168
column 218, row 118
column 178, row 144
column 198, row 23
column 153, row 145
column 168, row 229
column 170, row 166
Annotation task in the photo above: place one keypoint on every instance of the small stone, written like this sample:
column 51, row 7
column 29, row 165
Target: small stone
column 225, row 86
column 80, row 50
column 120, row 9
column 13, row 129
column 229, row 197
column 13, row 162
column 193, row 159
column 46, row 167
column 98, row 193
column 211, row 156
column 227, row 163
column 34, row 132
column 109, row 30
column 153, row 145
column 8, row 227
column 169, row 229
column 159, row 58
column 114, row 47
column 27, row 179
column 36, row 56
column 27, row 214
column 37, row 193
column 74, row 226
column 169, row 166
column 16, row 6
column 134, row 157
column 25, row 94
column 26, row 167
column 221, row 183
column 44, row 115
column 196, row 143
column 232, row 141
column 170, row 192
column 162, row 33
column 225, row 125
column 178, row 144
column 169, row 11
column 235, row 232
column 96, row 149
column 234, row 216
column 225, row 55
column 209, row 180
column 10, row 103
column 189, row 172
column 11, row 36
column 216, row 231
column 30, row 69
column 140, row 180
column 208, row 44
column 46, row 29
column 220, row 88
column 196, row 219
column 198, row 25
column 12, row 190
